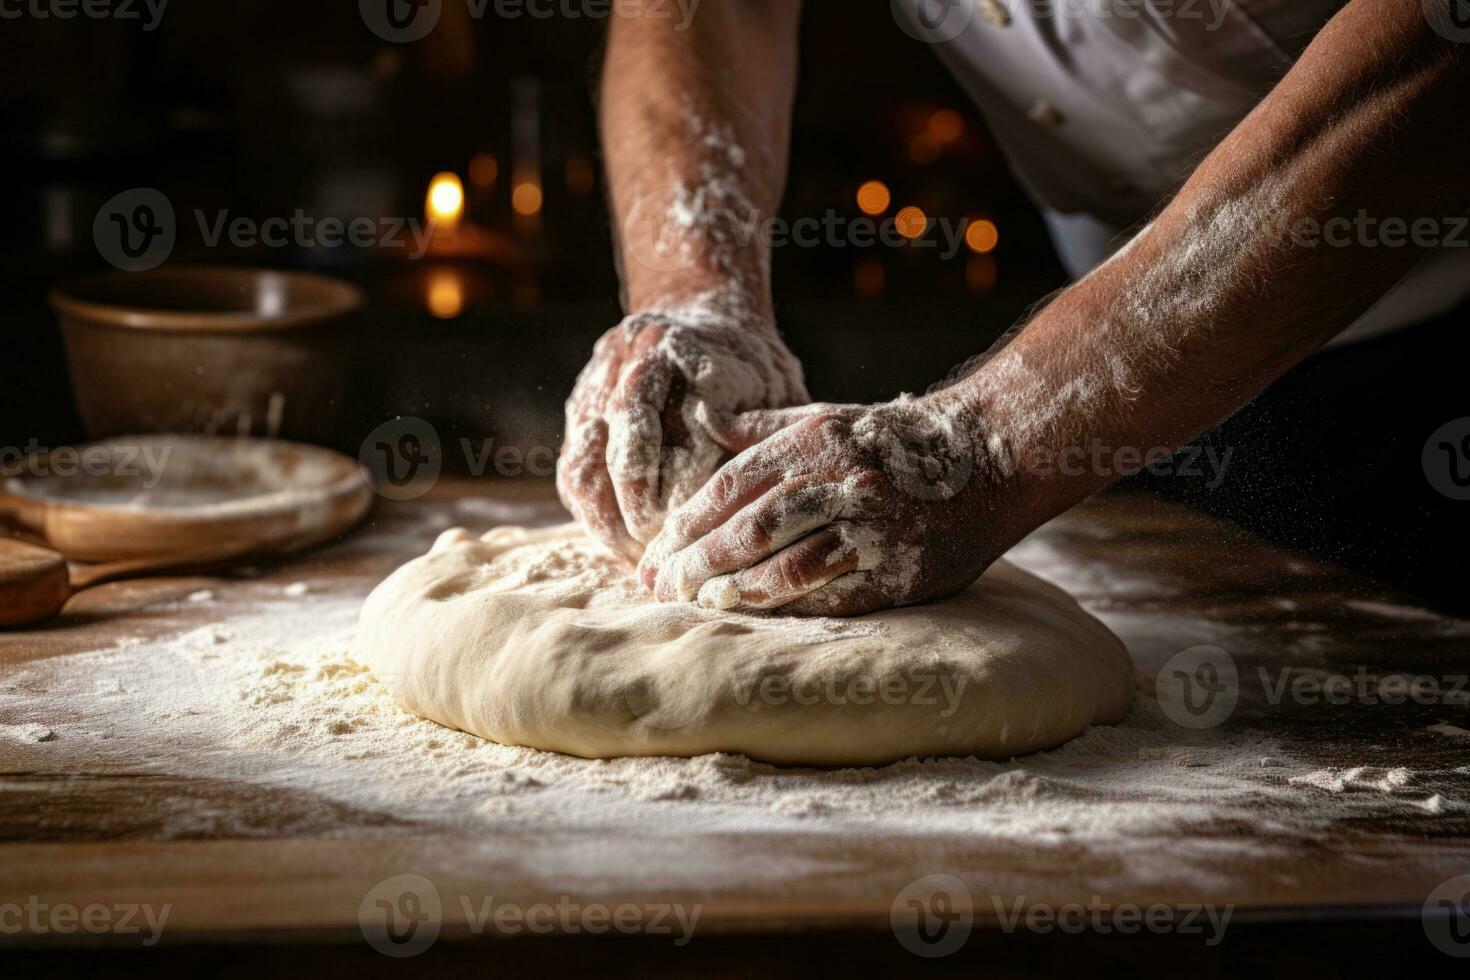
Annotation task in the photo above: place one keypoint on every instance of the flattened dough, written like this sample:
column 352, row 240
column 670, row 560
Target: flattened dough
column 537, row 638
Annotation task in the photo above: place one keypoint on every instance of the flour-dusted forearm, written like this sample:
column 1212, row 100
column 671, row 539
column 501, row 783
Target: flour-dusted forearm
column 1235, row 282
column 695, row 132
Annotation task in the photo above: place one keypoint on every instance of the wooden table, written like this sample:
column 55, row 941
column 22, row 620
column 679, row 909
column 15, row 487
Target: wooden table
column 289, row 893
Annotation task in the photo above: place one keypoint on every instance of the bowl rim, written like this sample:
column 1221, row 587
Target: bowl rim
column 337, row 299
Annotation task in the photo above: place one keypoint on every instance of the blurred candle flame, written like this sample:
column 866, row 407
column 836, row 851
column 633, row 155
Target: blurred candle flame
column 444, row 204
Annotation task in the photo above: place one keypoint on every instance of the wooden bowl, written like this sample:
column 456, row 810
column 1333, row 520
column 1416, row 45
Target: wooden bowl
column 159, row 495
column 210, row 350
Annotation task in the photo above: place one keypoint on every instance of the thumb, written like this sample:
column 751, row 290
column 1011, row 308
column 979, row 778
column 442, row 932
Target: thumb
column 737, row 432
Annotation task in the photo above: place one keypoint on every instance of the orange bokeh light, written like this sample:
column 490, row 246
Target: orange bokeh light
column 526, row 198
column 982, row 236
column 446, row 295
column 946, row 125
column 911, row 222
column 444, row 203
column 873, row 197
column 924, row 149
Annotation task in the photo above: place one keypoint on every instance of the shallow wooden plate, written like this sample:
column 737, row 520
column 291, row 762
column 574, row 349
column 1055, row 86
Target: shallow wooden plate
column 159, row 495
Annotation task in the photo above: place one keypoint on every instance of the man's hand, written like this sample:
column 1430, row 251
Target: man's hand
column 841, row 510
column 638, row 422
column 695, row 128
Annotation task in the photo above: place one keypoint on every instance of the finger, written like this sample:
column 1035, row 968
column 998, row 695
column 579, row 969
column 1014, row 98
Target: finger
column 787, row 575
column 852, row 594
column 586, row 488
column 635, row 438
column 783, row 515
column 739, row 482
column 737, row 432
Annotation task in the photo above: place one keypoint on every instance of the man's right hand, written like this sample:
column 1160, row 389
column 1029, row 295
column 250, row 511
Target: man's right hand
column 642, row 424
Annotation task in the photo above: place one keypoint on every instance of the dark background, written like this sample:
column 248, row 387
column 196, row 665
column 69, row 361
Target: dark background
column 262, row 108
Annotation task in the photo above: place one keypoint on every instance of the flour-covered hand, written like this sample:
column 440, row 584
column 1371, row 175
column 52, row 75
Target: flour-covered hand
column 638, row 431
column 839, row 510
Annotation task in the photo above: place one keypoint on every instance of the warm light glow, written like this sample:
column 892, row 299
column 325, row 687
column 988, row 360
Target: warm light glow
column 484, row 169
column 911, row 222
column 982, row 236
column 946, row 125
column 980, row 274
column 445, row 201
column 924, row 148
column 446, row 294
column 873, row 197
column 526, row 198
column 868, row 279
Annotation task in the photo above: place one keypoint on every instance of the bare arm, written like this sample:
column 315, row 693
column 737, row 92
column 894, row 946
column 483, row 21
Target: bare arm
column 695, row 122
column 1226, row 290
column 1233, row 283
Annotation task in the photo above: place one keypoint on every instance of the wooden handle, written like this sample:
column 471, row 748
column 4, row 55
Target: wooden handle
column 86, row 576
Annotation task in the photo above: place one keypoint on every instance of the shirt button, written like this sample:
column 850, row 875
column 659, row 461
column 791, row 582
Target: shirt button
column 994, row 13
column 1045, row 114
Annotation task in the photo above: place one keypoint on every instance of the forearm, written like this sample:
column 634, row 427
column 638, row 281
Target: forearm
column 695, row 130
column 1228, row 288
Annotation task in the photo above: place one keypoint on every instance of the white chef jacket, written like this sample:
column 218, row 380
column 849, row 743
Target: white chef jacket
column 1104, row 107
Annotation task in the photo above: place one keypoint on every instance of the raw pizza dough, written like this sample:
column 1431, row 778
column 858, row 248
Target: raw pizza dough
column 538, row 638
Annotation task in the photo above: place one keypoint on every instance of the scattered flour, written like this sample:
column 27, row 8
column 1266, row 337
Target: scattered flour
column 271, row 696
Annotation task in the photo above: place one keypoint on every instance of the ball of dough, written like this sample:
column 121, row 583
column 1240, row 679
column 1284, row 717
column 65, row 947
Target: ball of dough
column 538, row 638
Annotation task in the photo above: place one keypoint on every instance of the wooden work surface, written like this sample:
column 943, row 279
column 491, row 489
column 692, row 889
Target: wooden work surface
column 95, row 835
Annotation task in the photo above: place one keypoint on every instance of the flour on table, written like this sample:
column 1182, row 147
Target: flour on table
column 271, row 696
